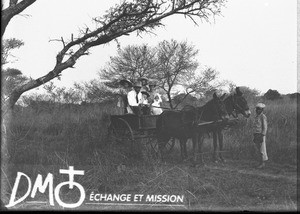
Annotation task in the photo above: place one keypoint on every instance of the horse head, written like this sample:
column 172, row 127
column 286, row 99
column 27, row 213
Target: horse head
column 237, row 104
column 213, row 110
column 218, row 107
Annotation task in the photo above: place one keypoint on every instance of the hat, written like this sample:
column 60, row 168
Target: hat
column 260, row 105
column 137, row 84
column 142, row 78
column 145, row 92
column 152, row 83
column 123, row 81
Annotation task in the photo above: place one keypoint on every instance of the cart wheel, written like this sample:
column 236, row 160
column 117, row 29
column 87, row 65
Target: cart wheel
column 170, row 145
column 122, row 137
column 167, row 147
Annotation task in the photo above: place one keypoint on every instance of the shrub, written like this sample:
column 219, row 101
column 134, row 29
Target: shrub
column 272, row 95
column 294, row 95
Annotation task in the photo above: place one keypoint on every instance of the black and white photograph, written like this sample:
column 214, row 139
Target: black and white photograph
column 149, row 105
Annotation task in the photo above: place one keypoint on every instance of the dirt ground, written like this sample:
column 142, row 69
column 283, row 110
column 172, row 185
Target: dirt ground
column 234, row 185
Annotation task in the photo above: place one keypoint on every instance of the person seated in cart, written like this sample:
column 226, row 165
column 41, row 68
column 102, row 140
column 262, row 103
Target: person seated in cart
column 134, row 98
column 145, row 106
column 126, row 86
column 153, row 92
column 155, row 106
column 144, row 81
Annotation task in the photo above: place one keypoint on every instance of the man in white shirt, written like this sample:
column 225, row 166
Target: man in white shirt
column 135, row 98
column 126, row 86
column 260, row 131
column 144, row 82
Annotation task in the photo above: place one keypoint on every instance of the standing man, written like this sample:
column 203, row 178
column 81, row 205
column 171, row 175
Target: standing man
column 135, row 98
column 144, row 82
column 126, row 86
column 260, row 131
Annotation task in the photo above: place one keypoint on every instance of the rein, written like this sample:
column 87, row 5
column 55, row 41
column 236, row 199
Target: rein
column 166, row 108
column 197, row 122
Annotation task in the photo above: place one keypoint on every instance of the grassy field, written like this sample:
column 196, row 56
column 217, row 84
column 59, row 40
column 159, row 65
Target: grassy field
column 42, row 142
column 281, row 135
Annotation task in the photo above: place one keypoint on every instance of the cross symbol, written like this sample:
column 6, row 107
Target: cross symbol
column 71, row 172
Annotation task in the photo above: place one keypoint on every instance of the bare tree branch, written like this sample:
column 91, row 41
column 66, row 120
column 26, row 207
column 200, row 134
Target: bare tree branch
column 13, row 9
column 123, row 19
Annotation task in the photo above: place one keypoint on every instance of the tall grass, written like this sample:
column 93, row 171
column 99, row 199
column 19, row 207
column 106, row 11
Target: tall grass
column 281, row 136
column 72, row 132
column 55, row 140
column 75, row 133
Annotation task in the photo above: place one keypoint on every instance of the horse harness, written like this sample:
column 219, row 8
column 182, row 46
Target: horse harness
column 236, row 107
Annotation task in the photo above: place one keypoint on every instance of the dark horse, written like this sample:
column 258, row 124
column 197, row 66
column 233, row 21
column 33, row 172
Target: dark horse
column 235, row 104
column 183, row 124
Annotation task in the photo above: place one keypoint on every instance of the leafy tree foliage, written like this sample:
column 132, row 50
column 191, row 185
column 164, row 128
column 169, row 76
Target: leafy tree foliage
column 272, row 95
column 131, row 63
column 7, row 46
column 171, row 64
column 129, row 16
column 11, row 77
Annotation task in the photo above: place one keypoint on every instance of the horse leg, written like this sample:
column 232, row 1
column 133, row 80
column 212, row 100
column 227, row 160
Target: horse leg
column 182, row 149
column 185, row 149
column 200, row 142
column 161, row 143
column 183, row 142
column 215, row 141
column 160, row 152
column 220, row 138
column 195, row 143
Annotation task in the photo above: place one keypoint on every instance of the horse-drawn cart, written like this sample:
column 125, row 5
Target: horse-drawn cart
column 130, row 130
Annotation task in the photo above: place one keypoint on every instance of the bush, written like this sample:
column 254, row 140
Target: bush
column 281, row 135
column 251, row 95
column 272, row 95
column 294, row 95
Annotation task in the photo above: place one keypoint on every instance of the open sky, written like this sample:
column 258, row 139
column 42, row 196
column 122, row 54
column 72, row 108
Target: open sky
column 253, row 43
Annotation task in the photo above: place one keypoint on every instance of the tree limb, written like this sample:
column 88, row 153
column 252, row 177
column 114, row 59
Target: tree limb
column 13, row 9
column 139, row 16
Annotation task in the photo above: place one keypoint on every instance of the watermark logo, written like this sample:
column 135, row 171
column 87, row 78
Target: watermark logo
column 94, row 198
column 53, row 193
column 138, row 199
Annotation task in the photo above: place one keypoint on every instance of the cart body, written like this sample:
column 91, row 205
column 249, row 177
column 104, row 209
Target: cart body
column 132, row 128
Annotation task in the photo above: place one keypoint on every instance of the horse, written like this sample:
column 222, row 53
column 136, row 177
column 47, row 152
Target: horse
column 184, row 124
column 235, row 104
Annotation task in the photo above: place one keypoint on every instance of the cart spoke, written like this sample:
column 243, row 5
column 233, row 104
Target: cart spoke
column 169, row 145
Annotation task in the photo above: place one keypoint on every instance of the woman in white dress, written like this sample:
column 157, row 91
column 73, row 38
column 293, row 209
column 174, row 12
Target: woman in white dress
column 155, row 107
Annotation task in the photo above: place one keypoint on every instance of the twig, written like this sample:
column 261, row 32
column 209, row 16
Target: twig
column 6, row 178
column 64, row 161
